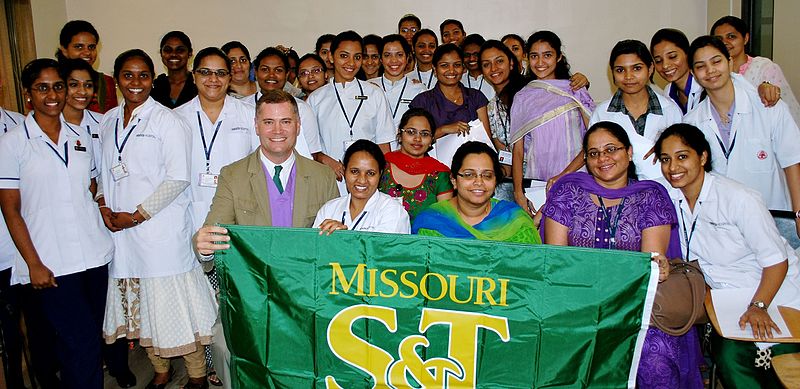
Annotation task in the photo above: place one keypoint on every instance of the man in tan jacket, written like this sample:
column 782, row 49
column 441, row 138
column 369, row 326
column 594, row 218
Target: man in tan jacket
column 273, row 186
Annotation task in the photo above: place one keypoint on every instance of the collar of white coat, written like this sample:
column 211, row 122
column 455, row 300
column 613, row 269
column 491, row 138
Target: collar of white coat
column 369, row 206
column 705, row 192
column 227, row 107
column 32, row 129
column 140, row 110
column 347, row 84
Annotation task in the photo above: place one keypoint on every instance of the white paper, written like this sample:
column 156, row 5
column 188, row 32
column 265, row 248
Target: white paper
column 537, row 193
column 447, row 145
column 730, row 305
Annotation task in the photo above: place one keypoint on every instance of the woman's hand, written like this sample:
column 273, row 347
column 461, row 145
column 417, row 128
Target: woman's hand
column 524, row 203
column 123, row 220
column 760, row 322
column 769, row 93
column 335, row 165
column 41, row 276
column 459, row 128
column 578, row 81
column 108, row 216
column 537, row 218
column 553, row 180
column 329, row 226
column 663, row 266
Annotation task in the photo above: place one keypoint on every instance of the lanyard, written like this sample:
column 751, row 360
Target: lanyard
column 690, row 234
column 427, row 84
column 124, row 141
column 64, row 159
column 360, row 103
column 727, row 152
column 207, row 149
column 357, row 221
column 612, row 228
column 396, row 106
column 469, row 82
column 5, row 126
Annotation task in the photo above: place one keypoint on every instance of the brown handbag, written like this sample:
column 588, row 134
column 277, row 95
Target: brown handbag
column 679, row 299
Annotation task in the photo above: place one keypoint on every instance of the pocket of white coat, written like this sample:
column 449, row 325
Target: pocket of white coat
column 759, row 155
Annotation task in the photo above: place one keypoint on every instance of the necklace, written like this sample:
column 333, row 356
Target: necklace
column 483, row 214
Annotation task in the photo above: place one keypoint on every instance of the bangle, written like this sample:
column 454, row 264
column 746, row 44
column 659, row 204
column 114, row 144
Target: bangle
column 103, row 206
column 797, row 215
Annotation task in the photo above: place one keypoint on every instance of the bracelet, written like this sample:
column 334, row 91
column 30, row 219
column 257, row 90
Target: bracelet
column 103, row 206
column 797, row 215
column 135, row 221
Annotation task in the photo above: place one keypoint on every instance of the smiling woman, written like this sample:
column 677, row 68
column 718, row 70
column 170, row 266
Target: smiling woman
column 79, row 40
column 176, row 87
column 147, row 156
column 364, row 208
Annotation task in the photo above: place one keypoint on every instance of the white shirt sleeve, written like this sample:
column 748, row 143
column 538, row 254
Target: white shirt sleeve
column 309, row 126
column 758, row 229
column 785, row 135
column 9, row 161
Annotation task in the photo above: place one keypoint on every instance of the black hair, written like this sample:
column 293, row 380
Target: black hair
column 208, row 52
column 473, row 39
column 226, row 48
column 616, row 131
column 549, row 37
column 315, row 57
column 707, row 40
column 133, row 53
column 450, row 21
column 75, row 27
column 446, row 49
column 424, row 31
column 372, row 39
column 514, row 37
column 291, row 54
column 33, row 69
column 415, row 112
column 516, row 80
column 473, row 147
column 370, row 148
column 323, row 39
column 67, row 66
column 391, row 38
column 630, row 46
column 738, row 24
column 676, row 37
column 180, row 35
column 346, row 36
column 690, row 136
column 271, row 52
column 409, row 17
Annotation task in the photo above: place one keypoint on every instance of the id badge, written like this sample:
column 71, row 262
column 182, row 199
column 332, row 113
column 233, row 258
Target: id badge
column 208, row 180
column 119, row 171
column 505, row 157
column 348, row 143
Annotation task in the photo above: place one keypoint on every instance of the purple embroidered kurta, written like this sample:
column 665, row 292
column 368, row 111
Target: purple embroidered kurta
column 666, row 361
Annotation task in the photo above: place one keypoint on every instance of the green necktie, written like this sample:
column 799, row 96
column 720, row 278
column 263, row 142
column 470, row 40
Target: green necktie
column 276, row 178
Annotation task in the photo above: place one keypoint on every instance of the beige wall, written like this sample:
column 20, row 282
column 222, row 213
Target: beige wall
column 588, row 28
column 786, row 44
column 48, row 17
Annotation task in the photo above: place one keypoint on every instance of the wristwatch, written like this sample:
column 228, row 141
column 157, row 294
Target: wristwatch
column 758, row 304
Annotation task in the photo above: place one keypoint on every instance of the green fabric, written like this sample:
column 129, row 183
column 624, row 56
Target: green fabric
column 735, row 361
column 419, row 197
column 556, row 317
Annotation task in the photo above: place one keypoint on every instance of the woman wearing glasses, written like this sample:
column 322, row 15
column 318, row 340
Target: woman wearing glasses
column 608, row 208
column 419, row 179
column 473, row 213
column 176, row 87
column 312, row 73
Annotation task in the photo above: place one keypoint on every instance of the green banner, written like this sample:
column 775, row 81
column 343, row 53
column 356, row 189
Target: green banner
column 367, row 310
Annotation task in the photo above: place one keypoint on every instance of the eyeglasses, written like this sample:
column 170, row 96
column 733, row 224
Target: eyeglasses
column 206, row 72
column 486, row 175
column 44, row 89
column 412, row 132
column 405, row 30
column 306, row 73
column 610, row 150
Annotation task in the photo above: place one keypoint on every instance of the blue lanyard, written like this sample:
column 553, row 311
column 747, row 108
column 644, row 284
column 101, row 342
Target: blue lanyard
column 690, row 234
column 612, row 227
column 64, row 159
column 360, row 103
column 357, row 221
column 469, row 82
column 427, row 84
column 727, row 152
column 5, row 126
column 396, row 106
column 207, row 149
column 124, row 141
